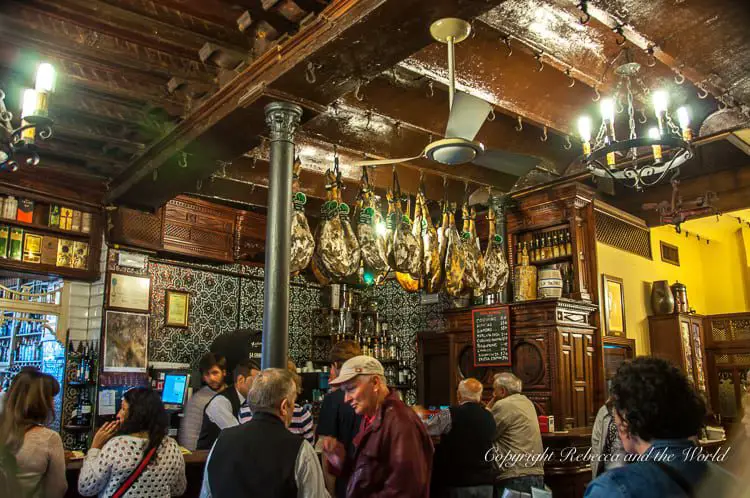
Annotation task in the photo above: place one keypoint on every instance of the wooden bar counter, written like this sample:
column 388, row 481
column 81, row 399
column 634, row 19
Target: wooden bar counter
column 195, row 462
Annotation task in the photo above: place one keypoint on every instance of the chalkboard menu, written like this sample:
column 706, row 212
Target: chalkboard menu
column 491, row 336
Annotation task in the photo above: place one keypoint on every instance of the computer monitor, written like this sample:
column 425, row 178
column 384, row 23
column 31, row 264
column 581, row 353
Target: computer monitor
column 175, row 389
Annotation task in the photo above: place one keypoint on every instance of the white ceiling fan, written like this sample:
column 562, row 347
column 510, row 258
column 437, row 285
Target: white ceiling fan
column 467, row 115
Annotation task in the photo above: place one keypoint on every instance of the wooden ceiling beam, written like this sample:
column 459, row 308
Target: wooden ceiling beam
column 94, row 161
column 111, row 137
column 369, row 32
column 128, row 25
column 51, row 35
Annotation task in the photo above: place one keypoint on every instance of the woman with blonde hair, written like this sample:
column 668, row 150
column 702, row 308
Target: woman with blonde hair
column 37, row 450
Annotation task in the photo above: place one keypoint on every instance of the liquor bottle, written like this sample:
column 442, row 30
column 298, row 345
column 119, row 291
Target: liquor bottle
column 568, row 245
column 85, row 408
column 533, row 250
column 392, row 354
column 555, row 246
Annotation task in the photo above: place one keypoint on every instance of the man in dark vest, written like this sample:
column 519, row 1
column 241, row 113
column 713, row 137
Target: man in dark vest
column 460, row 466
column 262, row 459
column 223, row 410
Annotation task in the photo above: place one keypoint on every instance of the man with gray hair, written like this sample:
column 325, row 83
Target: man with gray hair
column 261, row 458
column 460, row 469
column 517, row 451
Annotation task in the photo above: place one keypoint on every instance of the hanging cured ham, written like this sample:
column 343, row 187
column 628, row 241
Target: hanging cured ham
column 432, row 267
column 403, row 248
column 372, row 238
column 455, row 258
column 408, row 280
column 496, row 270
column 337, row 249
column 473, row 276
column 302, row 241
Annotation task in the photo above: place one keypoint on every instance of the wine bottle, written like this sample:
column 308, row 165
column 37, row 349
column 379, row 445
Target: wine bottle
column 568, row 245
column 555, row 246
column 85, row 408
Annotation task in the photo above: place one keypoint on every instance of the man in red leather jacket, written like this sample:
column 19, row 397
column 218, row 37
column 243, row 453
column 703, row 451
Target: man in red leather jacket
column 393, row 456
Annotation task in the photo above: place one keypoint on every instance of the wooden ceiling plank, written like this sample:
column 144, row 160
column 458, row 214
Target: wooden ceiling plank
column 128, row 25
column 344, row 27
column 48, row 34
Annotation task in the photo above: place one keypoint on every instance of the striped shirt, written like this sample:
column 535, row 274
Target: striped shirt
column 302, row 420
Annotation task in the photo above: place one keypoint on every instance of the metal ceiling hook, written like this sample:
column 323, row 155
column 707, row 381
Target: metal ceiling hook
column 650, row 60
column 584, row 7
column 572, row 80
column 723, row 103
column 358, row 91
column 703, row 93
column 506, row 40
column 544, row 137
column 431, row 89
column 491, row 116
column 519, row 126
column 310, row 72
column 643, row 119
column 598, row 96
column 678, row 77
column 538, row 58
column 620, row 40
column 567, row 145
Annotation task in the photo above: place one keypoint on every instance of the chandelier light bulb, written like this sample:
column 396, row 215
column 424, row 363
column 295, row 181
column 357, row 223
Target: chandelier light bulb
column 654, row 134
column 45, row 78
column 683, row 117
column 661, row 101
column 584, row 128
column 30, row 102
column 607, row 108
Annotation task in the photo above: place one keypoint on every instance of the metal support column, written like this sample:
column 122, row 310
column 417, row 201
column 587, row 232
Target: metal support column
column 505, row 295
column 282, row 119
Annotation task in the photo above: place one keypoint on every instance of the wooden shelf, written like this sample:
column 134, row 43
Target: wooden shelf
column 549, row 261
column 42, row 269
column 47, row 229
column 77, row 428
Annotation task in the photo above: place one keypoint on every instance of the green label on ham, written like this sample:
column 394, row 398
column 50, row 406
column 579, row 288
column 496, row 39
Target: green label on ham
column 329, row 209
column 344, row 210
column 498, row 239
column 299, row 200
column 365, row 217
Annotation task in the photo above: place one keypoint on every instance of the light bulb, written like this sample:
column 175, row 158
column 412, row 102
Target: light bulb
column 683, row 117
column 607, row 107
column 584, row 128
column 45, row 78
column 30, row 103
column 654, row 134
column 660, row 99
column 381, row 229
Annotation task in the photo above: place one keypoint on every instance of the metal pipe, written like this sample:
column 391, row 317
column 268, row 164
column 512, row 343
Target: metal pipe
column 282, row 119
column 451, row 72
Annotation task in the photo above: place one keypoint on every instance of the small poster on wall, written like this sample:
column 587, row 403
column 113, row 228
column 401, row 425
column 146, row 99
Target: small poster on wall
column 177, row 308
column 125, row 342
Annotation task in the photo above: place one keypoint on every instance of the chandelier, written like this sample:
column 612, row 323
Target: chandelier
column 19, row 143
column 638, row 161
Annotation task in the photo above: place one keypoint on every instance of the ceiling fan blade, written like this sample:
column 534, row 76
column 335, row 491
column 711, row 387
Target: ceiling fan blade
column 480, row 196
column 467, row 116
column 386, row 162
column 507, row 162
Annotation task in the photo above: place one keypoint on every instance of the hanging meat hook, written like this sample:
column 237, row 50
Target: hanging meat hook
column 310, row 72
column 650, row 60
column 506, row 40
column 519, row 126
column 678, row 77
column 431, row 88
column 572, row 80
column 643, row 119
column 703, row 93
column 621, row 37
column 182, row 161
column 538, row 58
column 358, row 91
column 567, row 145
column 583, row 6
column 598, row 97
column 544, row 137
column 491, row 116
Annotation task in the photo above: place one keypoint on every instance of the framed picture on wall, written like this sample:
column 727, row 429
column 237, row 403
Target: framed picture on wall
column 125, row 342
column 614, row 306
column 129, row 292
column 177, row 308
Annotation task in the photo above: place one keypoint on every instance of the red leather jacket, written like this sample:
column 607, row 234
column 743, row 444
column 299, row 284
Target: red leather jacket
column 393, row 456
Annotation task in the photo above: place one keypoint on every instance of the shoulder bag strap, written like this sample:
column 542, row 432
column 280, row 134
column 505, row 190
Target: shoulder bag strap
column 125, row 486
column 677, row 478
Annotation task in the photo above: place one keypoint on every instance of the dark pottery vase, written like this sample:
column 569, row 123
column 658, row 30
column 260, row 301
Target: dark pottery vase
column 662, row 299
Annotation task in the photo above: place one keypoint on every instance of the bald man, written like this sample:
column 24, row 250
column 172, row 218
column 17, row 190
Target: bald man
column 460, row 469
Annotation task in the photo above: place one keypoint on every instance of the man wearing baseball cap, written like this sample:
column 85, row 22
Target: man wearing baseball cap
column 393, row 452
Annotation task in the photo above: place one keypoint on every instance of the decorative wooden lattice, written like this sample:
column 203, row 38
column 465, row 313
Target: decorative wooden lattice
column 730, row 329
column 623, row 235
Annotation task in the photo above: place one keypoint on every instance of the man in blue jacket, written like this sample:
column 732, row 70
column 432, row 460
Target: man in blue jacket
column 658, row 413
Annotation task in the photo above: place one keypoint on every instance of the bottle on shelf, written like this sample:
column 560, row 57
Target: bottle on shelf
column 555, row 246
column 568, row 245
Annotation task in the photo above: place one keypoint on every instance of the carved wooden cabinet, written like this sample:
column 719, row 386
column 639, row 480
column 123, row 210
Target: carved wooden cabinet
column 679, row 338
column 552, row 352
column 617, row 350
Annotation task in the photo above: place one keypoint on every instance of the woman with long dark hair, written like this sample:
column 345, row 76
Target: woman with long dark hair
column 141, row 459
column 39, row 465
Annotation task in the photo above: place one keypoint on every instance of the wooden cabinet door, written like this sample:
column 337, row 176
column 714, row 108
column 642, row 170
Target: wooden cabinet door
column 686, row 347
column 576, row 380
column 699, row 365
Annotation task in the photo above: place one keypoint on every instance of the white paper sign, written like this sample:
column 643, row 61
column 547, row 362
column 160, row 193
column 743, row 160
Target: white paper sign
column 107, row 402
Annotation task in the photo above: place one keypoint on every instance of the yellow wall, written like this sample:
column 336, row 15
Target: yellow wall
column 717, row 274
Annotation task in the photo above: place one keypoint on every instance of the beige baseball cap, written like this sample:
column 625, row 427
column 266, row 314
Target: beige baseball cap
column 359, row 365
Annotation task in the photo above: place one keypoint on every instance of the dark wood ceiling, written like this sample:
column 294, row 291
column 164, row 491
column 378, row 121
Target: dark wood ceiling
column 157, row 98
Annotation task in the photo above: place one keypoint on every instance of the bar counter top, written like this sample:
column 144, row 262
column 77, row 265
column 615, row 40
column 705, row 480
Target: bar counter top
column 197, row 456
